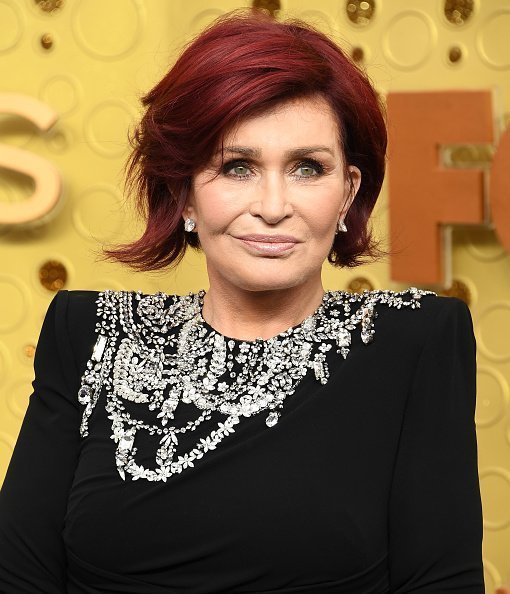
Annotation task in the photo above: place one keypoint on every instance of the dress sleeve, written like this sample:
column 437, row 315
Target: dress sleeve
column 33, row 498
column 435, row 529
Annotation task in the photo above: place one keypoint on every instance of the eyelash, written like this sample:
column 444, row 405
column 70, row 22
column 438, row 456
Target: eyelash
column 313, row 163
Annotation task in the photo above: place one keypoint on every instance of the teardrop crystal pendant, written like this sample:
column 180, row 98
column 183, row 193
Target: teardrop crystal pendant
column 85, row 394
column 272, row 419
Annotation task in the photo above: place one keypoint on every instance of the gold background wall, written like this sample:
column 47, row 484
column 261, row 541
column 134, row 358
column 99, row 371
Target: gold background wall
column 90, row 60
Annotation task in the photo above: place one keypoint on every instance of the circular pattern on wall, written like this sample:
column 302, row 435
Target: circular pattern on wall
column 409, row 39
column 11, row 25
column 483, row 245
column 493, row 397
column 58, row 140
column 4, row 362
column 97, row 214
column 101, row 33
column 49, row 6
column 492, row 40
column 318, row 19
column 456, row 54
column 61, row 92
column 53, row 275
column 27, row 353
column 15, row 300
column 358, row 284
column 491, row 576
column 495, row 488
column 358, row 54
column 107, row 125
column 271, row 7
column 46, row 41
column 492, row 341
column 18, row 396
column 463, row 289
column 203, row 19
column 360, row 12
column 458, row 12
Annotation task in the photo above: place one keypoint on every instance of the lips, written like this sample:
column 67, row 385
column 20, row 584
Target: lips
column 269, row 238
column 270, row 245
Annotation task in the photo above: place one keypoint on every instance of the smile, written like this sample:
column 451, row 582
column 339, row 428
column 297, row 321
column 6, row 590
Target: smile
column 269, row 244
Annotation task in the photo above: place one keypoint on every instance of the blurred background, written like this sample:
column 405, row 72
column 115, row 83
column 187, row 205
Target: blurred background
column 87, row 62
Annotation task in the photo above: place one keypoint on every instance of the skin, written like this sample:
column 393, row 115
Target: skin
column 266, row 212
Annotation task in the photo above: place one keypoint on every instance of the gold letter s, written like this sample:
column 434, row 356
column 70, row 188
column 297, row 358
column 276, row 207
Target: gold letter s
column 48, row 182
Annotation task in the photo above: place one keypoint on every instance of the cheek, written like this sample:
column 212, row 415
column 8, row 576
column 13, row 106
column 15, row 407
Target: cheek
column 213, row 210
column 323, row 210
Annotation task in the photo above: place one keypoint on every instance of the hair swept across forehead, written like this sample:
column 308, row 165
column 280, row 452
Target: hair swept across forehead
column 242, row 65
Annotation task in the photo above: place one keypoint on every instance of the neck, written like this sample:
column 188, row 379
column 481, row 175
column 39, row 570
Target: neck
column 247, row 315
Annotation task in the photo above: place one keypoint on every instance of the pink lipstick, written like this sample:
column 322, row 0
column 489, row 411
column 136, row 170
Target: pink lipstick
column 269, row 245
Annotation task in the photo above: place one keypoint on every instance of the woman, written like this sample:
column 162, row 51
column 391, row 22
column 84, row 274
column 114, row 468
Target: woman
column 263, row 436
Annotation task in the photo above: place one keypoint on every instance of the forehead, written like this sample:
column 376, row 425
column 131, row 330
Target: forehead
column 295, row 123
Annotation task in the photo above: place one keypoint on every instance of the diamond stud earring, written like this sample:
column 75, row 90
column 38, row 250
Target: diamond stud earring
column 341, row 226
column 189, row 225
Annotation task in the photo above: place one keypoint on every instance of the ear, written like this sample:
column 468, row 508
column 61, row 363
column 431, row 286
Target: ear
column 352, row 184
column 188, row 211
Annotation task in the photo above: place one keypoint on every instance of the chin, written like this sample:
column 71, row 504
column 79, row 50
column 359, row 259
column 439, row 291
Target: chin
column 270, row 283
column 265, row 274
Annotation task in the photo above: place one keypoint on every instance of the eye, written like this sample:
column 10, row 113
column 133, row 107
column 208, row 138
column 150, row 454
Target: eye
column 309, row 168
column 238, row 169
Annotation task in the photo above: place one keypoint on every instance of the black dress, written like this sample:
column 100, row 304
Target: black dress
column 367, row 484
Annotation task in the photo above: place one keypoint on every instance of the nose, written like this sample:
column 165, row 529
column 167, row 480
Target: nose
column 271, row 201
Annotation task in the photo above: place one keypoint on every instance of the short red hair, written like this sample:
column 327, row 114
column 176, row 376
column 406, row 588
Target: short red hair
column 240, row 66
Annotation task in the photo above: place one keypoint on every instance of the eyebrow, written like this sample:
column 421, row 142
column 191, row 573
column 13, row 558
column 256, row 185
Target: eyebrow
column 296, row 153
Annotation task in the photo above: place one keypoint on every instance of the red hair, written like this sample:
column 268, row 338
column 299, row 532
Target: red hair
column 240, row 66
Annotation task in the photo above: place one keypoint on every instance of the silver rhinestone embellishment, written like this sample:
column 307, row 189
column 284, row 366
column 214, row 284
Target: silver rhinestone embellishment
column 272, row 419
column 155, row 352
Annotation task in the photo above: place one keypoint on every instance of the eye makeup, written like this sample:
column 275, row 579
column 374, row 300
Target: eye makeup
column 315, row 167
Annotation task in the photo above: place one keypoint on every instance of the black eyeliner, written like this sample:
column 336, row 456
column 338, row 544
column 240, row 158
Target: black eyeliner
column 317, row 165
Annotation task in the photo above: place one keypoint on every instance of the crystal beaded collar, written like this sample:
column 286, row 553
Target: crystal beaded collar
column 169, row 357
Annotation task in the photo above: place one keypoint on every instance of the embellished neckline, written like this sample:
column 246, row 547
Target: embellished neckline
column 319, row 309
column 155, row 353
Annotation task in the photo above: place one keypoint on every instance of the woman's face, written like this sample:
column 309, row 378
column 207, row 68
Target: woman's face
column 266, row 209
